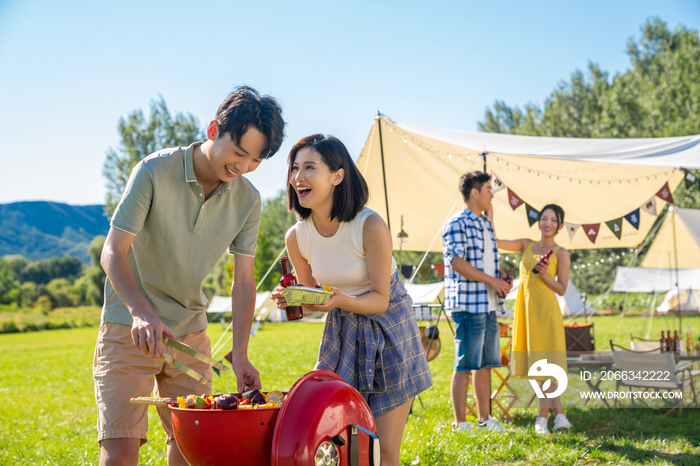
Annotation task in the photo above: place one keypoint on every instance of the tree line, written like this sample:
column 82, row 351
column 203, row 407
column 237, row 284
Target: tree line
column 50, row 283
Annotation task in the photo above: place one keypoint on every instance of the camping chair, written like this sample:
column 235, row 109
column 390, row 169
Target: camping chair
column 643, row 344
column 644, row 362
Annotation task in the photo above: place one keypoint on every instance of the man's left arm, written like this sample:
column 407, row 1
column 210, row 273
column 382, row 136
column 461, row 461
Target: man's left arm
column 242, row 310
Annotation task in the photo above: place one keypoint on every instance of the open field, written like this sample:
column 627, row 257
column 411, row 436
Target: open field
column 48, row 414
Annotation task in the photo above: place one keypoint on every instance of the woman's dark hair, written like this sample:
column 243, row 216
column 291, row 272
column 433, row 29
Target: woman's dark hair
column 245, row 108
column 558, row 211
column 349, row 197
column 472, row 180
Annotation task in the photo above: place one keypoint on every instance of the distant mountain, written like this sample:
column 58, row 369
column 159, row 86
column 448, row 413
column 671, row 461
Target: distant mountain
column 41, row 230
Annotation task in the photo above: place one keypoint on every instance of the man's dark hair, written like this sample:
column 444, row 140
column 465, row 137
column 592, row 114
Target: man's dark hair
column 472, row 180
column 558, row 211
column 350, row 196
column 245, row 108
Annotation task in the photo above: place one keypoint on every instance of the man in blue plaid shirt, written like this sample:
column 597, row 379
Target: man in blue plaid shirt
column 473, row 294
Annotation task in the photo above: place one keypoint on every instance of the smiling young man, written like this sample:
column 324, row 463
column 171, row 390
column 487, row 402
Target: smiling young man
column 472, row 286
column 181, row 209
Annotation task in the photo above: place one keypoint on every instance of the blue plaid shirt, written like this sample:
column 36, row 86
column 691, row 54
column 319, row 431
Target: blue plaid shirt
column 463, row 236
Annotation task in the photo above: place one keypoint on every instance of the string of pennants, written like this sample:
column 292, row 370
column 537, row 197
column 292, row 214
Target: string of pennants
column 591, row 230
column 423, row 271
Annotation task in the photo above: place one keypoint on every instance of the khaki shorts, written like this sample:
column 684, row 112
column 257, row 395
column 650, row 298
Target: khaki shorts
column 121, row 371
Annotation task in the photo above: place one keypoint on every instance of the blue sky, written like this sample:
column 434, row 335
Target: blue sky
column 70, row 69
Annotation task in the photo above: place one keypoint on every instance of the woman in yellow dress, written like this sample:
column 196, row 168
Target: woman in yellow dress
column 538, row 327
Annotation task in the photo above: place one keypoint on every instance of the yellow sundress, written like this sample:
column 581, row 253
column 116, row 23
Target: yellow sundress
column 538, row 326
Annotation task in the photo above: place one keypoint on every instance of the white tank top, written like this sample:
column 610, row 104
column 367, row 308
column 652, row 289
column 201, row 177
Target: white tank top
column 337, row 261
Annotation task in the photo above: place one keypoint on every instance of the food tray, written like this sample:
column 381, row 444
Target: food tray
column 297, row 295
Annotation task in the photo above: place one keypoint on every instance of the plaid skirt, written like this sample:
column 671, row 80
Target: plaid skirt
column 380, row 355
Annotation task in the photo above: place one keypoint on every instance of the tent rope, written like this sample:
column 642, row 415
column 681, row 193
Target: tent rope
column 415, row 272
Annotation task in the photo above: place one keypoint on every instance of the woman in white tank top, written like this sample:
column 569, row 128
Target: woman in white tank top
column 371, row 338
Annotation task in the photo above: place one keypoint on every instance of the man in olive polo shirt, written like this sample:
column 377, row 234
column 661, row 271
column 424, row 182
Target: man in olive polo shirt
column 181, row 209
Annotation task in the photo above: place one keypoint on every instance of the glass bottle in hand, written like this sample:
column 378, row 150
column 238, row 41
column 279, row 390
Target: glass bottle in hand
column 293, row 312
column 544, row 259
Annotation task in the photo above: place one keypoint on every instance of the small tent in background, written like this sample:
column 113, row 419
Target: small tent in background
column 425, row 295
column 570, row 304
column 689, row 302
column 639, row 280
column 265, row 308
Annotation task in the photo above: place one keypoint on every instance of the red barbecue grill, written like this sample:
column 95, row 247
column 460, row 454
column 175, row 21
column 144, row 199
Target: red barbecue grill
column 323, row 421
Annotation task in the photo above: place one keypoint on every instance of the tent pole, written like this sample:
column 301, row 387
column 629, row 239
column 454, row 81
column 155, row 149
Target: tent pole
column 381, row 151
column 678, row 285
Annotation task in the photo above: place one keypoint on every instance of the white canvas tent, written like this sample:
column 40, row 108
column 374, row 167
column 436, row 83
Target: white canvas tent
column 570, row 304
column 413, row 171
column 689, row 302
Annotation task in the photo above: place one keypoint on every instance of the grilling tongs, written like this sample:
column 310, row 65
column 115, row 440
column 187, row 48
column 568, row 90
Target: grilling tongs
column 195, row 354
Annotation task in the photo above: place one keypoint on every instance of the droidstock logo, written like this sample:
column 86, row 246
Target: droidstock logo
column 542, row 368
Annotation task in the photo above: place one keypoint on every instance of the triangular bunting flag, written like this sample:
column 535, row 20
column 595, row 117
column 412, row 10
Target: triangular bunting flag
column 424, row 271
column 406, row 270
column 633, row 218
column 650, row 206
column 616, row 227
column 514, row 200
column 440, row 269
column 591, row 231
column 531, row 213
column 689, row 179
column 496, row 184
column 665, row 193
column 571, row 229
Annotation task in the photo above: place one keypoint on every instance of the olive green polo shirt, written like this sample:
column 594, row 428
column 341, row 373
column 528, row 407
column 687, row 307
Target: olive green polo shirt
column 179, row 236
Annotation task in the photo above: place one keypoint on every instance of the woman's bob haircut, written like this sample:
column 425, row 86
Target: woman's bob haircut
column 349, row 197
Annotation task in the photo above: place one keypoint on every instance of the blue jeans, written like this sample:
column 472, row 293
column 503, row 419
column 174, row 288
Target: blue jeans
column 476, row 341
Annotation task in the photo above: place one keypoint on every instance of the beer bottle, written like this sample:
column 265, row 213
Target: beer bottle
column 293, row 312
column 676, row 342
column 662, row 342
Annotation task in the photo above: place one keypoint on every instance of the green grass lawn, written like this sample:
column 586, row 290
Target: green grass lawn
column 48, row 413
